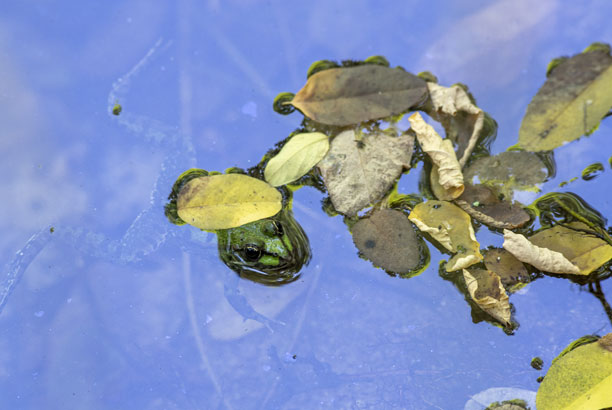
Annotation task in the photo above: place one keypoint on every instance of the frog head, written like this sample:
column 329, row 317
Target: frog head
column 271, row 251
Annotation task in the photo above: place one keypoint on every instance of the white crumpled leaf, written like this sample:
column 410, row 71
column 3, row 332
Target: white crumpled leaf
column 543, row 259
column 450, row 100
column 498, row 308
column 359, row 171
column 441, row 153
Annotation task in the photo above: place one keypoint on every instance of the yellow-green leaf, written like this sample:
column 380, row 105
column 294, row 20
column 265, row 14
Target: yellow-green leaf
column 296, row 158
column 571, row 103
column 452, row 228
column 350, row 95
column 587, row 252
column 540, row 257
column 579, row 379
column 227, row 201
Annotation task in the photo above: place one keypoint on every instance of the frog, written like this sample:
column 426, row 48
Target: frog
column 270, row 251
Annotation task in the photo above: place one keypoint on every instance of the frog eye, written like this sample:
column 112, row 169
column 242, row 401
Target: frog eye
column 252, row 253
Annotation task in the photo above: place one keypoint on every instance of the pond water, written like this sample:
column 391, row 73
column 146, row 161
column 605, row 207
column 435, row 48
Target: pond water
column 116, row 308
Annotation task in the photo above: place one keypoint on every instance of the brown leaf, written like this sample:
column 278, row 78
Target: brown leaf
column 350, row 95
column 507, row 171
column 483, row 205
column 511, row 271
column 387, row 238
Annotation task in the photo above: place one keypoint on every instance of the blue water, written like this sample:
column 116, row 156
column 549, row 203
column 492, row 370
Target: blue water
column 119, row 309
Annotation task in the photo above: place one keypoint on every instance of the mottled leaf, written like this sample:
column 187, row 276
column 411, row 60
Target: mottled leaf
column 387, row 238
column 296, row 158
column 586, row 251
column 442, row 155
column 507, row 171
column 486, row 290
column 226, row 201
column 482, row 204
column 359, row 171
column 452, row 228
column 571, row 103
column 350, row 95
column 461, row 119
column 541, row 258
column 580, row 378
column 510, row 270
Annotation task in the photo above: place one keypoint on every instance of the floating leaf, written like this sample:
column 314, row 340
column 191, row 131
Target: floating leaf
column 580, row 378
column 350, row 95
column 358, row 172
column 461, row 119
column 441, row 153
column 226, row 201
column 486, row 290
column 510, row 270
column 481, row 203
column 571, row 103
column 541, row 258
column 451, row 227
column 586, row 251
column 296, row 158
column 388, row 239
column 507, row 171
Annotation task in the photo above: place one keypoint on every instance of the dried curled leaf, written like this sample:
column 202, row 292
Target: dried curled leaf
column 461, row 119
column 388, row 239
column 350, row 95
column 358, row 172
column 541, row 258
column 442, row 155
column 452, row 228
column 571, row 103
column 586, row 251
column 226, row 201
column 486, row 290
column 296, row 158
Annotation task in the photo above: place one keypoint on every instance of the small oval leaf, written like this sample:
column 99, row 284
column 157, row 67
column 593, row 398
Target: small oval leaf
column 296, row 158
column 227, row 201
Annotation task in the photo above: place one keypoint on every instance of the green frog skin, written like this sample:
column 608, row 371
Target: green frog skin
column 270, row 251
